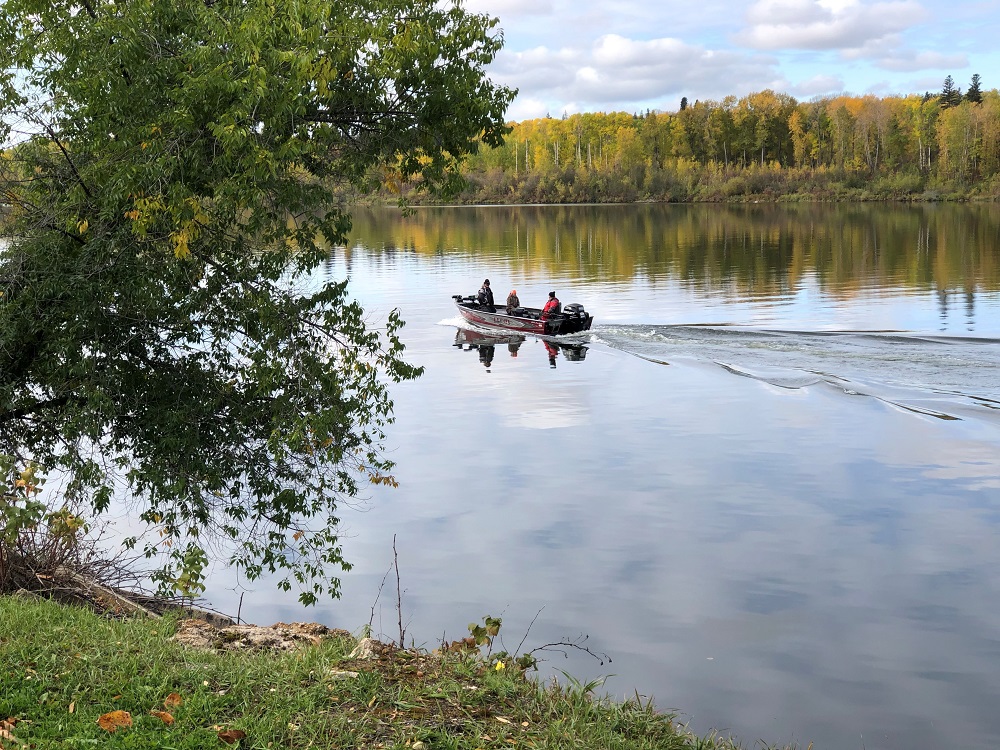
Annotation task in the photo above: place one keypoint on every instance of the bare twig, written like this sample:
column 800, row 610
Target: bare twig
column 577, row 645
column 378, row 596
column 517, row 650
column 399, row 595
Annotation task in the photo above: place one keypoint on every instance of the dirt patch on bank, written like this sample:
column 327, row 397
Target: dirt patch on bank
column 278, row 637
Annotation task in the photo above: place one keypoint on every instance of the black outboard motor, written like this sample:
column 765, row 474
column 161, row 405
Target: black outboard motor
column 575, row 311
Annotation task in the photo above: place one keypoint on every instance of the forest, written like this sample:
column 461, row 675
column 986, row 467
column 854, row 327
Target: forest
column 763, row 146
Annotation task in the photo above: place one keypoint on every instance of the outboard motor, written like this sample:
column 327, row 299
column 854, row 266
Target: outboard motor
column 574, row 311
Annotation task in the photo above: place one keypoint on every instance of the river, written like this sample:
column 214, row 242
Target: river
column 766, row 483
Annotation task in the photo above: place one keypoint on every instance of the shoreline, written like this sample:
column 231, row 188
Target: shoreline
column 74, row 677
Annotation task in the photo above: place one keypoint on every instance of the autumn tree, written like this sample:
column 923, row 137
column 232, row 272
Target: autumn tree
column 171, row 173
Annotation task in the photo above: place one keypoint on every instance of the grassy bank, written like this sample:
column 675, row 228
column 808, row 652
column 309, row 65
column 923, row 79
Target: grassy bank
column 63, row 668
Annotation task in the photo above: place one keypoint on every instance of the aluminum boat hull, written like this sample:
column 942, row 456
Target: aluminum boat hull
column 525, row 319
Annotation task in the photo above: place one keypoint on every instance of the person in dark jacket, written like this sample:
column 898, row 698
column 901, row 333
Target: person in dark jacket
column 552, row 307
column 485, row 296
column 512, row 302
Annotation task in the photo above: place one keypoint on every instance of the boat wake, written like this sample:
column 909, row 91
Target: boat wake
column 946, row 377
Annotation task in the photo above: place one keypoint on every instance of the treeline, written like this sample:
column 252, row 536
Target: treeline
column 765, row 145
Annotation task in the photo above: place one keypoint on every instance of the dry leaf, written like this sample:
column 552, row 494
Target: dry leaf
column 5, row 727
column 162, row 716
column 500, row 718
column 72, row 707
column 172, row 701
column 110, row 721
column 232, row 736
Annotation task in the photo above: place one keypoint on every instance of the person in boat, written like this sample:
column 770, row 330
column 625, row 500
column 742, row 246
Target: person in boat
column 512, row 302
column 485, row 296
column 552, row 307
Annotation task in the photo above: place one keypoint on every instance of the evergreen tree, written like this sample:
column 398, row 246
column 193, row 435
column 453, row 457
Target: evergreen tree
column 684, row 103
column 950, row 96
column 975, row 92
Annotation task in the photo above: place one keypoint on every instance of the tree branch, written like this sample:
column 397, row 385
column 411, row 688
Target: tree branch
column 55, row 139
column 52, row 403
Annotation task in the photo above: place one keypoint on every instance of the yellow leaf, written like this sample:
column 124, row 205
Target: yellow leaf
column 81, row 228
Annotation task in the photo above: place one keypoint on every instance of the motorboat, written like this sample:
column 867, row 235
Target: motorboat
column 572, row 319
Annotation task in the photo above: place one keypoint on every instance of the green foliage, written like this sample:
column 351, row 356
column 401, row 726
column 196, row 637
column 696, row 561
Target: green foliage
column 171, row 189
column 974, row 93
column 484, row 634
column 20, row 510
column 950, row 95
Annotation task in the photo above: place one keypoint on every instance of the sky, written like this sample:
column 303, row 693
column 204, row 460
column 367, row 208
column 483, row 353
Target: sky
column 568, row 56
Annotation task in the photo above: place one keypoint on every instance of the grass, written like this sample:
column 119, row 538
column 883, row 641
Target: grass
column 62, row 668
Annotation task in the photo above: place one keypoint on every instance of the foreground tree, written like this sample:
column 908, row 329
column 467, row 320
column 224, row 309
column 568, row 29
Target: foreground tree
column 168, row 186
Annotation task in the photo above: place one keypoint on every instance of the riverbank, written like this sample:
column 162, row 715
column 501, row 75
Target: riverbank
column 690, row 182
column 70, row 678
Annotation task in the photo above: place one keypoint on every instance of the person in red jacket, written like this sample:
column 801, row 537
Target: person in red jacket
column 552, row 307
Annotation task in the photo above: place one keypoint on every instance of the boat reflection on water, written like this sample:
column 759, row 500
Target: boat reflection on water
column 486, row 345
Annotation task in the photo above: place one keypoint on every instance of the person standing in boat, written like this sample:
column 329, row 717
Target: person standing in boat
column 552, row 307
column 512, row 302
column 485, row 296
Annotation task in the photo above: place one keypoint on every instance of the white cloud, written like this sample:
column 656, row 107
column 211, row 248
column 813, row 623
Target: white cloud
column 584, row 55
column 619, row 71
column 819, row 85
column 808, row 24
column 511, row 8
column 909, row 60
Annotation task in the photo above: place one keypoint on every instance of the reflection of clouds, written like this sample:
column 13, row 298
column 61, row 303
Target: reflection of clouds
column 538, row 408
column 799, row 538
column 835, row 556
column 974, row 465
column 524, row 395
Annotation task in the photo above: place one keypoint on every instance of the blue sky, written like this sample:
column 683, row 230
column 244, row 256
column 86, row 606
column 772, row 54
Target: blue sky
column 589, row 55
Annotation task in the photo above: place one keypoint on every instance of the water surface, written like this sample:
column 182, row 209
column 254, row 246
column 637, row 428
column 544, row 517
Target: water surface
column 767, row 483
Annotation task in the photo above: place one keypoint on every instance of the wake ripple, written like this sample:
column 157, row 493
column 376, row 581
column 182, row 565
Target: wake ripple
column 945, row 377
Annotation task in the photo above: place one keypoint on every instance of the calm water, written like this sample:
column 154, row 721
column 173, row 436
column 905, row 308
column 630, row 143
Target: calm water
column 767, row 483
